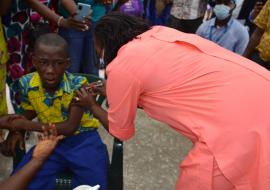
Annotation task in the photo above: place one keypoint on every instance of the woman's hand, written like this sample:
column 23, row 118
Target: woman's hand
column 100, row 89
column 71, row 22
column 85, row 99
column 6, row 121
column 8, row 147
column 47, row 143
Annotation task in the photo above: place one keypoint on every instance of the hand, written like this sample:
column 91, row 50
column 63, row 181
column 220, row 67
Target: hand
column 84, row 98
column 9, row 145
column 47, row 143
column 6, row 120
column 101, row 89
column 71, row 22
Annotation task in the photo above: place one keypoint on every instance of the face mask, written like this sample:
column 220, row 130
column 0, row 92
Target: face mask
column 222, row 11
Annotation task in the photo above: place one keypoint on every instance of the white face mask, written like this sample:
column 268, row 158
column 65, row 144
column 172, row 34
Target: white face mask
column 222, row 11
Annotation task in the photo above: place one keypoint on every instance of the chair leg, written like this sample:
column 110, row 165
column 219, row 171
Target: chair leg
column 116, row 167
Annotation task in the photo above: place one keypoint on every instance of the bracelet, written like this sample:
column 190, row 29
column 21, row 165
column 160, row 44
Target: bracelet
column 59, row 20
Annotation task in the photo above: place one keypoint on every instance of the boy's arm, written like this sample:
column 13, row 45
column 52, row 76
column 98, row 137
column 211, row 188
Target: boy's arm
column 66, row 128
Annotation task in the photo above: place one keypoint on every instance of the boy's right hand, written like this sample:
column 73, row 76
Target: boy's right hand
column 9, row 145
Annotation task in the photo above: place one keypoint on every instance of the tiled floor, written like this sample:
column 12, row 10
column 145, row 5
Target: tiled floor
column 151, row 158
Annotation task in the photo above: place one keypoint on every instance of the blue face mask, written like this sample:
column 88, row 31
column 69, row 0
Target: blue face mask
column 222, row 11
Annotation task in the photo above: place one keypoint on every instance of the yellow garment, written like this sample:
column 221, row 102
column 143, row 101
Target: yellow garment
column 3, row 46
column 53, row 108
column 3, row 60
column 263, row 22
column 3, row 102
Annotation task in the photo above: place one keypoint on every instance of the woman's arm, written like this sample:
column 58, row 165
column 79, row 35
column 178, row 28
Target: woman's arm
column 253, row 42
column 53, row 17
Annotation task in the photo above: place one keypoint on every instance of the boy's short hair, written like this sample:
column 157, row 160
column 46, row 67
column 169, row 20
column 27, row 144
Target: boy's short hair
column 51, row 39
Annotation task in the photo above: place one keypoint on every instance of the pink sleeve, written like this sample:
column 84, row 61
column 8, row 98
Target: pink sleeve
column 123, row 92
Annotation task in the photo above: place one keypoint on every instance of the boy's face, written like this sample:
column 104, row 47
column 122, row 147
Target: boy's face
column 51, row 62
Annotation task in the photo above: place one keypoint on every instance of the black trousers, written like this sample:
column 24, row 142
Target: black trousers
column 188, row 26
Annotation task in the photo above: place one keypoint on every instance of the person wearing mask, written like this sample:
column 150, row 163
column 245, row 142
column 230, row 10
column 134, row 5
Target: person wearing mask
column 258, row 48
column 187, row 16
column 225, row 30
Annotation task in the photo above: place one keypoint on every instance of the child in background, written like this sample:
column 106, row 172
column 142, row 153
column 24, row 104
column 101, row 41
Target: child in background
column 48, row 94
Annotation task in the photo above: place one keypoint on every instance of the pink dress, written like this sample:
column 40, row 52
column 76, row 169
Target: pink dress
column 218, row 99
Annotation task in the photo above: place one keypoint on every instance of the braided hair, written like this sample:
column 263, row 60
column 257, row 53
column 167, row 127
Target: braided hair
column 115, row 30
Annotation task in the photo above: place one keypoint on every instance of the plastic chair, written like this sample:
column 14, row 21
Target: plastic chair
column 115, row 168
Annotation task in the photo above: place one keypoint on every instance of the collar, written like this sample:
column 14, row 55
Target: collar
column 213, row 21
column 35, row 82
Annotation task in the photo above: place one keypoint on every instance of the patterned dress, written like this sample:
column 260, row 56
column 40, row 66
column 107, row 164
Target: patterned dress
column 18, row 39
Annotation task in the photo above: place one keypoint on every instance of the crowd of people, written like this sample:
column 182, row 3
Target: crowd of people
column 191, row 64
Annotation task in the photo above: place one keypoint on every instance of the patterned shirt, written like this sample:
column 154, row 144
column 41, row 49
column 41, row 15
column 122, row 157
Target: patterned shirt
column 53, row 108
column 188, row 9
column 263, row 22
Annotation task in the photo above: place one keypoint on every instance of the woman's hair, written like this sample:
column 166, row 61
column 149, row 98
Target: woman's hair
column 115, row 30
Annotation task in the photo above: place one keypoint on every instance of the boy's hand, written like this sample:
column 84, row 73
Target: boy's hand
column 9, row 145
column 6, row 121
column 47, row 143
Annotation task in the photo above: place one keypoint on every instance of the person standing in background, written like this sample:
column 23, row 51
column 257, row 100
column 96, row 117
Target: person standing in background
column 187, row 15
column 258, row 49
column 4, row 6
column 224, row 30
column 84, row 58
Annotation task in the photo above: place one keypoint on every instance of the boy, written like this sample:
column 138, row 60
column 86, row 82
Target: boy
column 48, row 94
